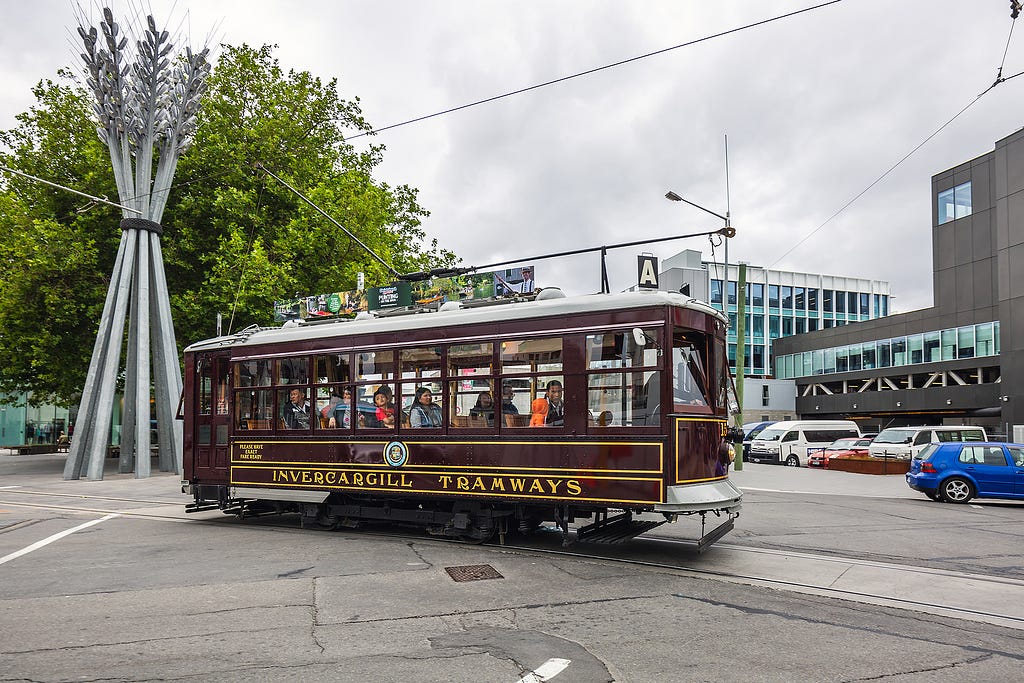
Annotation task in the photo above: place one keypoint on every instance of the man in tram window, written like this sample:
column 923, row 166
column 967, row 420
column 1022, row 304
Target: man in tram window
column 556, row 408
column 296, row 411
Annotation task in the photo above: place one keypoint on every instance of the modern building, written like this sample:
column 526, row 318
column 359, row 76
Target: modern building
column 779, row 303
column 959, row 362
column 23, row 423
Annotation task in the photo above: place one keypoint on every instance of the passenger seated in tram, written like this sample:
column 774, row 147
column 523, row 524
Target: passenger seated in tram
column 556, row 408
column 384, row 414
column 296, row 412
column 340, row 412
column 539, row 409
column 507, row 406
column 484, row 407
column 424, row 412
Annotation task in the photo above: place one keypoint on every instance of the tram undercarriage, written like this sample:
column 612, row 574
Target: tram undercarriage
column 470, row 521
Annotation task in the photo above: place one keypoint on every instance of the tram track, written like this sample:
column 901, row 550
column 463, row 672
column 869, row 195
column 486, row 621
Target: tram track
column 732, row 562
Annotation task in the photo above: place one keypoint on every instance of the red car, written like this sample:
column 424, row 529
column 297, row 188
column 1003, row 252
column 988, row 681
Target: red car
column 837, row 448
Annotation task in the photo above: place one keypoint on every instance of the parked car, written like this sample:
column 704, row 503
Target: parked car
column 957, row 471
column 838, row 448
column 751, row 430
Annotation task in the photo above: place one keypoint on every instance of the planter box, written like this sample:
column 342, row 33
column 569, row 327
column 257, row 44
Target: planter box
column 870, row 465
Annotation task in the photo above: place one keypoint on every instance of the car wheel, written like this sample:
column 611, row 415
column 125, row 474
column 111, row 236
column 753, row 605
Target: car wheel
column 957, row 490
column 792, row 461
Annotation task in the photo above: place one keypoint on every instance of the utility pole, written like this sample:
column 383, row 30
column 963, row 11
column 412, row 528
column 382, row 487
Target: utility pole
column 741, row 350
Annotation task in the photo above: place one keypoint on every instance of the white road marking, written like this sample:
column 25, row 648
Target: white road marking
column 56, row 537
column 10, row 487
column 546, row 671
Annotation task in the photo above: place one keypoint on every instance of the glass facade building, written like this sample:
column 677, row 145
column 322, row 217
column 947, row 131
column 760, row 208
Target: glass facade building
column 784, row 303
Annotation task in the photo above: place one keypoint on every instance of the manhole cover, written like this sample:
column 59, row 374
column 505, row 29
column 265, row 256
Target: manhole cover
column 473, row 572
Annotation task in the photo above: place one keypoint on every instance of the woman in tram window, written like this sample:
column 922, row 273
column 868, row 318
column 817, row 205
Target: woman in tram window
column 424, row 412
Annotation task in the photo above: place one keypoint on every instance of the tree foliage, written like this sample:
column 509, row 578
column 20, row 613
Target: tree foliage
column 234, row 238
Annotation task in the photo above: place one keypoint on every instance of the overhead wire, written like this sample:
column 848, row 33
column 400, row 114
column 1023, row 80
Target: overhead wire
column 596, row 69
column 999, row 79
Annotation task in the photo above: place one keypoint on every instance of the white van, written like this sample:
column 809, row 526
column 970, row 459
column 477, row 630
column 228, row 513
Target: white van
column 787, row 442
column 906, row 442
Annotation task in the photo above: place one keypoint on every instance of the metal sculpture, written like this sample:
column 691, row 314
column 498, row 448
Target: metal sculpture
column 146, row 102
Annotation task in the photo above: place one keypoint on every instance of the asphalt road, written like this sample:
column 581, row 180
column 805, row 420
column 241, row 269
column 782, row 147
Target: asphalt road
column 144, row 594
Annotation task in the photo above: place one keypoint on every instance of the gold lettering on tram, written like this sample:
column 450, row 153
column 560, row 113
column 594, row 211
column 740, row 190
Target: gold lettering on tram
column 483, row 483
column 250, row 451
column 503, row 483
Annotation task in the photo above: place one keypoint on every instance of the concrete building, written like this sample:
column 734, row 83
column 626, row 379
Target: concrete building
column 959, row 362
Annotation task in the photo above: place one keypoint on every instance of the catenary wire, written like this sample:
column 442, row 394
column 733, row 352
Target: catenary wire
column 886, row 173
column 596, row 69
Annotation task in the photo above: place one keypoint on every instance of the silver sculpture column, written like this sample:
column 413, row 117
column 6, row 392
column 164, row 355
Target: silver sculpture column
column 144, row 102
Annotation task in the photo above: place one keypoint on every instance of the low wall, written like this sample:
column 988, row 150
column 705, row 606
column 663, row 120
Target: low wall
column 870, row 465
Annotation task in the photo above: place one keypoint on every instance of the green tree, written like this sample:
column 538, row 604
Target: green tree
column 234, row 239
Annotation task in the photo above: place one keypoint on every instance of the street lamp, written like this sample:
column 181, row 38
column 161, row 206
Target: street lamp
column 728, row 232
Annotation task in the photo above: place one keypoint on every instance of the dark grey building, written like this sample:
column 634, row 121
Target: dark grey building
column 959, row 362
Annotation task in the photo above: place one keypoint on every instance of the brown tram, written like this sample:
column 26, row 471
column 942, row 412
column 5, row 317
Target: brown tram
column 638, row 437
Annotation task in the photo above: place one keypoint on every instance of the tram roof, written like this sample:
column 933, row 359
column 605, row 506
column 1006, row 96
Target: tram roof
column 510, row 309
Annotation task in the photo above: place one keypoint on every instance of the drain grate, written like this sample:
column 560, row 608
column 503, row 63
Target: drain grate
column 473, row 572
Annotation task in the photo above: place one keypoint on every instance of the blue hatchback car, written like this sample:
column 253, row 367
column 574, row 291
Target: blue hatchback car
column 958, row 471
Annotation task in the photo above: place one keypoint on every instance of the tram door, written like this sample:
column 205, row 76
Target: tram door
column 212, row 417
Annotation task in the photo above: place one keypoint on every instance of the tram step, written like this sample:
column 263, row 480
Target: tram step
column 618, row 531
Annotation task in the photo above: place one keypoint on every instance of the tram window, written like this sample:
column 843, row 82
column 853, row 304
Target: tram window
column 204, row 435
column 295, row 410
column 623, row 399
column 470, row 359
column 376, row 406
column 531, row 355
column 223, row 389
column 292, row 371
column 254, row 409
column 689, row 371
column 252, row 373
column 206, row 389
column 618, row 350
column 333, row 368
column 334, row 403
column 722, row 378
column 472, row 404
column 421, row 362
column 547, row 409
column 375, row 365
column 409, row 391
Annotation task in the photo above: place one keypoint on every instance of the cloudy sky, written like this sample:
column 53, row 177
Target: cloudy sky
column 816, row 108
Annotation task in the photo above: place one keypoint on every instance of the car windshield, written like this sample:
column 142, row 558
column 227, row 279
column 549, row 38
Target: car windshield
column 771, row 434
column 753, row 432
column 842, row 444
column 895, row 436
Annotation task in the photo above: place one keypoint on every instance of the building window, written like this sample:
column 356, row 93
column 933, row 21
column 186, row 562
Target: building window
column 773, row 296
column 787, row 326
column 801, row 302
column 773, row 327
column 732, row 293
column 757, row 294
column 955, row 203
column 851, row 303
column 716, row 291
column 840, row 301
column 812, row 300
column 787, row 298
column 826, row 300
column 865, row 301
